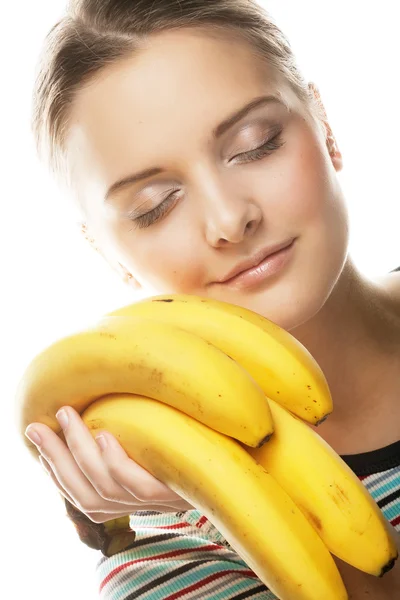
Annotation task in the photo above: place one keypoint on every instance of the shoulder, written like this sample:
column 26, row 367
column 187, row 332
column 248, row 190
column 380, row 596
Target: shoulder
column 390, row 283
column 393, row 285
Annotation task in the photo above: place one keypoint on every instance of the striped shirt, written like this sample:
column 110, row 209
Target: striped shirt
column 183, row 556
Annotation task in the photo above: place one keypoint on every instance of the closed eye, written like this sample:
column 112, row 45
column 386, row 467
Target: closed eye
column 264, row 150
column 156, row 213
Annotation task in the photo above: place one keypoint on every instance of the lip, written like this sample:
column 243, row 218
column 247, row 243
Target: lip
column 262, row 265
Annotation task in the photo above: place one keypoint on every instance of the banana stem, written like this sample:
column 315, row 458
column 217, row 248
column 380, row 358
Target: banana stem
column 110, row 537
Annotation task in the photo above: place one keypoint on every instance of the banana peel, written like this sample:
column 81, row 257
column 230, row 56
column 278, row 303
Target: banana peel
column 110, row 538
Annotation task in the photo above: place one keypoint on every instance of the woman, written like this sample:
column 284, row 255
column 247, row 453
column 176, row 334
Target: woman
column 203, row 163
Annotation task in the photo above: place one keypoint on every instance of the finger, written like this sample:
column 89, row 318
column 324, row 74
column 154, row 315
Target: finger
column 87, row 455
column 95, row 517
column 118, row 472
column 47, row 467
column 162, row 508
column 173, row 506
column 132, row 476
column 98, row 517
column 70, row 477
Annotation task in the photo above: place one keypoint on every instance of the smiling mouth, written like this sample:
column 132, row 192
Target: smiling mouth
column 263, row 264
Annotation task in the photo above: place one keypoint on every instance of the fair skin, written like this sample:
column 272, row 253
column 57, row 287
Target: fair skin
column 148, row 111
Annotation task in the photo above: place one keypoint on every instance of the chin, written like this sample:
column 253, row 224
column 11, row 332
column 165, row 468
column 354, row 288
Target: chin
column 292, row 300
column 288, row 313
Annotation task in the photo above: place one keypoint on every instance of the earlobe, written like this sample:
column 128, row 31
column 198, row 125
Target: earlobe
column 335, row 154
column 128, row 278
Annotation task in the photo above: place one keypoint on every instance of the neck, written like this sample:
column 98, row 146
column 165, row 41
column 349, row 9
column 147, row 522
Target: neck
column 353, row 339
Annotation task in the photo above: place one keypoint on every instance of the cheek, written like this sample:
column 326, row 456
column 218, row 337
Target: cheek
column 307, row 199
column 318, row 203
column 165, row 258
column 306, row 183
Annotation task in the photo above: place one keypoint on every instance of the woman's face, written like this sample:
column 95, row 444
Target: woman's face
column 216, row 198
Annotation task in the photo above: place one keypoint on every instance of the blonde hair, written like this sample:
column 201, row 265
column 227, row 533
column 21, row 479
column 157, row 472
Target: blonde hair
column 96, row 33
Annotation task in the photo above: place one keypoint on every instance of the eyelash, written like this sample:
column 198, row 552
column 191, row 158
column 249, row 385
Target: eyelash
column 154, row 215
column 159, row 211
column 267, row 148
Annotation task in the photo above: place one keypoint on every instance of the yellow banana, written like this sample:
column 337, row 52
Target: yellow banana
column 217, row 476
column 279, row 363
column 155, row 359
column 328, row 493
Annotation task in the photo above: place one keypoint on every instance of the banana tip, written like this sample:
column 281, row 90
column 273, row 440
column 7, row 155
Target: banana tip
column 389, row 565
column 322, row 420
column 264, row 440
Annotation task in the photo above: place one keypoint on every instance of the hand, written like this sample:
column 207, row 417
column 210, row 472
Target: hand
column 361, row 586
column 103, row 485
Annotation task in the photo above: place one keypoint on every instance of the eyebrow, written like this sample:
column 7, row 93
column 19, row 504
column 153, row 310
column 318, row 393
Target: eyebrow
column 217, row 133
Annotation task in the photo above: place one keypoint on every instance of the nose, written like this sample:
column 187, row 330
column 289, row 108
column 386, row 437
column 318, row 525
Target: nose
column 230, row 220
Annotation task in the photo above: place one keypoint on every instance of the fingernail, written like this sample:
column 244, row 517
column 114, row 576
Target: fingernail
column 62, row 418
column 102, row 442
column 33, row 435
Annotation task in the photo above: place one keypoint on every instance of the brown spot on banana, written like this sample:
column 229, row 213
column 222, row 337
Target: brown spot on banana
column 312, row 518
column 338, row 495
column 96, row 424
column 157, row 376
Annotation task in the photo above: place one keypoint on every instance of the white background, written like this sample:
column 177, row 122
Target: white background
column 53, row 282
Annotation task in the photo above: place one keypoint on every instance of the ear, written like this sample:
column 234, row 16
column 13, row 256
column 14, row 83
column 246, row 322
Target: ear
column 122, row 271
column 85, row 232
column 331, row 143
column 127, row 277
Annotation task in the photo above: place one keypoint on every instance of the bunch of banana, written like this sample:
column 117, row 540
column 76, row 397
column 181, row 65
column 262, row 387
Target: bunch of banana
column 326, row 490
column 235, row 390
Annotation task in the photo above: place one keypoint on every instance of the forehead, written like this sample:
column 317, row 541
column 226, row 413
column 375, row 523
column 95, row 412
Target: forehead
column 170, row 92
